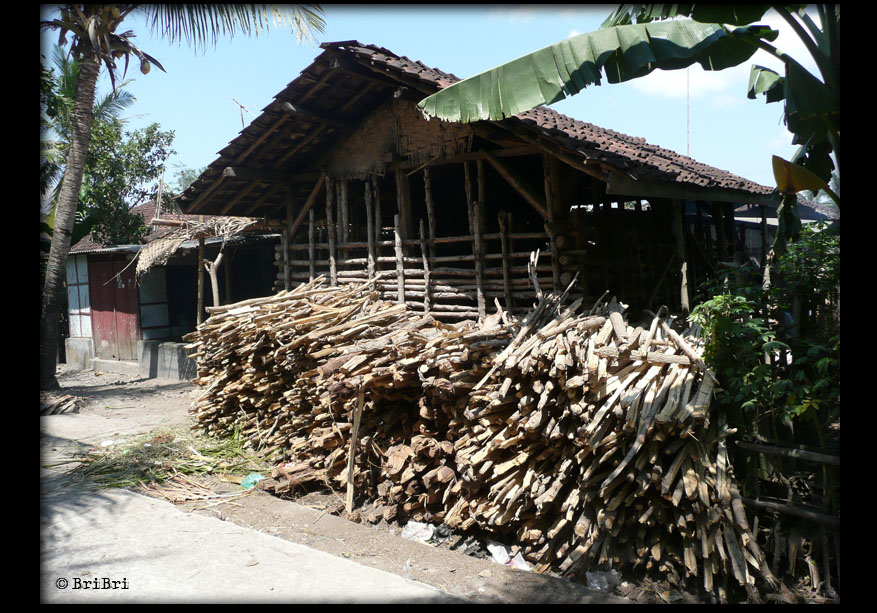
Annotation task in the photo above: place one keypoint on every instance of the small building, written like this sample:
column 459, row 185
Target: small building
column 445, row 216
column 122, row 321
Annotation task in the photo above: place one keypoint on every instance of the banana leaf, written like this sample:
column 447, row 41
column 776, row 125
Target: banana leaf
column 620, row 53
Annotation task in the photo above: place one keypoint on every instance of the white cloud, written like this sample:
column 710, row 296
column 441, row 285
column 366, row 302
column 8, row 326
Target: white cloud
column 724, row 84
column 783, row 138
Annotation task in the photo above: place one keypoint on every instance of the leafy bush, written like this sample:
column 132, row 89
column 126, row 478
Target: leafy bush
column 777, row 352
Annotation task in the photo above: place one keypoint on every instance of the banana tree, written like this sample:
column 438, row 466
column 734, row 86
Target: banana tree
column 97, row 41
column 638, row 39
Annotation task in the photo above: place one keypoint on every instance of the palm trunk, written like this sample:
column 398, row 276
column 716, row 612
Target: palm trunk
column 68, row 198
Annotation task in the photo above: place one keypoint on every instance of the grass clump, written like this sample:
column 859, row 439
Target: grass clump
column 163, row 454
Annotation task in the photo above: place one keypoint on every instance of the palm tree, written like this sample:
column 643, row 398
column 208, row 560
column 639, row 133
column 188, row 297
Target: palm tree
column 55, row 126
column 96, row 41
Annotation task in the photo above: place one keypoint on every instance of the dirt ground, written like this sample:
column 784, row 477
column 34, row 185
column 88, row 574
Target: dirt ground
column 124, row 406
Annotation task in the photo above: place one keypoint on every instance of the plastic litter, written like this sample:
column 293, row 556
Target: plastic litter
column 502, row 555
column 602, row 581
column 417, row 531
column 519, row 562
column 499, row 552
column 250, row 481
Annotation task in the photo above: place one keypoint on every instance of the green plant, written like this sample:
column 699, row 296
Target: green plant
column 738, row 339
column 776, row 353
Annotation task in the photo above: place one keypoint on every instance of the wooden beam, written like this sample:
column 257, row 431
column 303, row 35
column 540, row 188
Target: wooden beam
column 625, row 186
column 265, row 175
column 582, row 165
column 518, row 184
column 798, row 454
column 309, row 203
column 300, row 111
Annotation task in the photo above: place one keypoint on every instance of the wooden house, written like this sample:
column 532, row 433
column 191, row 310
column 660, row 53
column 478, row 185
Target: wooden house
column 445, row 216
column 113, row 316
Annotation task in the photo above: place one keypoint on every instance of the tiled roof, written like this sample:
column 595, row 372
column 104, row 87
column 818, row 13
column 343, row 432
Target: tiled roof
column 294, row 143
column 629, row 153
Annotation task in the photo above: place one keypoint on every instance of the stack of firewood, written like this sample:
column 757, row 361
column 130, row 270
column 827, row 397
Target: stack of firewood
column 583, row 439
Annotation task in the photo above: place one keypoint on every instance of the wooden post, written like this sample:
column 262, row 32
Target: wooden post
column 426, row 276
column 430, row 210
column 377, row 201
column 287, row 232
column 343, row 218
column 400, row 267
column 212, row 268
column 680, row 253
column 200, row 270
column 354, row 439
column 478, row 253
column 370, row 230
column 227, row 274
column 503, row 220
column 312, row 264
column 549, row 227
column 403, row 203
column 764, row 247
column 284, row 247
column 482, row 192
column 474, row 212
column 330, row 229
column 467, row 186
column 720, row 231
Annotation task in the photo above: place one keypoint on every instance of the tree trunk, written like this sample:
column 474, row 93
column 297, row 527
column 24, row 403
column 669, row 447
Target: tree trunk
column 68, row 198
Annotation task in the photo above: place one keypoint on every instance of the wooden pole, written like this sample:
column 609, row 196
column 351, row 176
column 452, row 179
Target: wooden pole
column 311, row 255
column 720, row 231
column 430, row 210
column 680, row 253
column 478, row 252
column 549, row 227
column 506, row 262
column 400, row 266
column 212, row 268
column 426, row 275
column 287, row 233
column 330, row 228
column 377, row 201
column 482, row 192
column 343, row 217
column 370, row 230
column 354, row 439
column 200, row 271
column 284, row 248
column 403, row 203
column 764, row 247
column 227, row 274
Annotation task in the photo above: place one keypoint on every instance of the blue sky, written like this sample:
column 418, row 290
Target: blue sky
column 690, row 111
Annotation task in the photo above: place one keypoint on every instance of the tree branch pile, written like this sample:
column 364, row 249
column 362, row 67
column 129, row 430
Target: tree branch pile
column 586, row 441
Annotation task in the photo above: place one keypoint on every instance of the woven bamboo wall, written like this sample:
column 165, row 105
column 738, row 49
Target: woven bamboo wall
column 397, row 129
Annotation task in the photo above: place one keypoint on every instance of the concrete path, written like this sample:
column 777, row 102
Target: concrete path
column 114, row 546
column 117, row 546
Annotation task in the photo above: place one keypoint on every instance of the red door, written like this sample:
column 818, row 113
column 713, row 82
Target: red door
column 113, row 310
